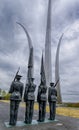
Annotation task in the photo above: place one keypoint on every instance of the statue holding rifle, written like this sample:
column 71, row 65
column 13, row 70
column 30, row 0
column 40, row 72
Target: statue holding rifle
column 29, row 96
column 41, row 96
column 16, row 90
column 52, row 98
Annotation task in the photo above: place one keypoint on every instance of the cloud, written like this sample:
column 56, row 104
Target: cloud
column 69, row 61
column 33, row 15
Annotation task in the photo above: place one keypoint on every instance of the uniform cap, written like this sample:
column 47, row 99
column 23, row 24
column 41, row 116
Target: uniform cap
column 32, row 78
column 18, row 76
column 51, row 83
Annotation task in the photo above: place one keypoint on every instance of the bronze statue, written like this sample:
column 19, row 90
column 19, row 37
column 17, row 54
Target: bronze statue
column 52, row 98
column 41, row 97
column 29, row 98
column 16, row 90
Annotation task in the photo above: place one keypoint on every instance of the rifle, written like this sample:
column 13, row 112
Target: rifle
column 56, row 83
column 16, row 73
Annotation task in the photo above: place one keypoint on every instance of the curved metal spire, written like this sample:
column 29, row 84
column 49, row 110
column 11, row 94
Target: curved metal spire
column 30, row 66
column 27, row 34
column 31, row 61
column 42, row 72
column 59, row 99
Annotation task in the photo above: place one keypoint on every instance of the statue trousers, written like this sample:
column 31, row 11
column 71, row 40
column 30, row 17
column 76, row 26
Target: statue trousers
column 29, row 111
column 14, row 105
column 42, row 111
column 52, row 107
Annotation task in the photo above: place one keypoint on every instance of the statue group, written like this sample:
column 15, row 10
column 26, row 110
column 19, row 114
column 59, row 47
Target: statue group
column 16, row 90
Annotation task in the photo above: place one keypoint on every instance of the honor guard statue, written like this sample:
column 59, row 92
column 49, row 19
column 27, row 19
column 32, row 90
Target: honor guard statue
column 29, row 98
column 52, row 98
column 41, row 97
column 16, row 91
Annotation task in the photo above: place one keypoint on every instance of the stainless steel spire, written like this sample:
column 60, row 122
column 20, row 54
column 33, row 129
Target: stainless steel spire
column 43, row 78
column 31, row 56
column 59, row 98
column 48, row 66
column 27, row 34
column 30, row 66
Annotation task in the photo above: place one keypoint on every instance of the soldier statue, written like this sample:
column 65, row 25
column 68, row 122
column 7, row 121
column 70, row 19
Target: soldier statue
column 41, row 96
column 41, row 99
column 52, row 98
column 16, row 90
column 29, row 98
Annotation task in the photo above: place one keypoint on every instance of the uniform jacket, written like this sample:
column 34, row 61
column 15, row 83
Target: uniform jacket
column 16, row 90
column 42, row 89
column 29, row 92
column 52, row 94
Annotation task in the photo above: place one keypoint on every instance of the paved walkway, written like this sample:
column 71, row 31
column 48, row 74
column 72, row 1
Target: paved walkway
column 64, row 122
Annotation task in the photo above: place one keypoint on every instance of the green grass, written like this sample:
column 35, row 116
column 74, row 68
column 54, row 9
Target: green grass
column 71, row 105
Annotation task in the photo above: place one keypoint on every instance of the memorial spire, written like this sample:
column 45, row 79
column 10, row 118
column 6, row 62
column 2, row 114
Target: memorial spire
column 48, row 66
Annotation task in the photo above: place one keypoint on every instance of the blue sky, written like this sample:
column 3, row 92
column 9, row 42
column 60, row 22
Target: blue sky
column 14, row 45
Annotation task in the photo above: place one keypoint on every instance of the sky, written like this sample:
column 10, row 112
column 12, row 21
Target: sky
column 14, row 49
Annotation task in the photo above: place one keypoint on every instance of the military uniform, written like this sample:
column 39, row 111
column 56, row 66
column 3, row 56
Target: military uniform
column 52, row 98
column 41, row 99
column 16, row 91
column 29, row 98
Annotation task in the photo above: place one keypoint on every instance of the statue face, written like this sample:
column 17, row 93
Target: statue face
column 18, row 78
column 51, row 84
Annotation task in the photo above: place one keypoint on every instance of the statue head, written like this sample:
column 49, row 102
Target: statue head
column 52, row 84
column 18, row 77
column 32, row 79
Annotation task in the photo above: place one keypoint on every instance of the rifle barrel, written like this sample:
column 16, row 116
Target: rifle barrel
column 16, row 73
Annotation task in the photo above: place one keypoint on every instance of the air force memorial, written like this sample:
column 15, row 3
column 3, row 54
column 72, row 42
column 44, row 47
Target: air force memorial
column 47, row 93
column 16, row 91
